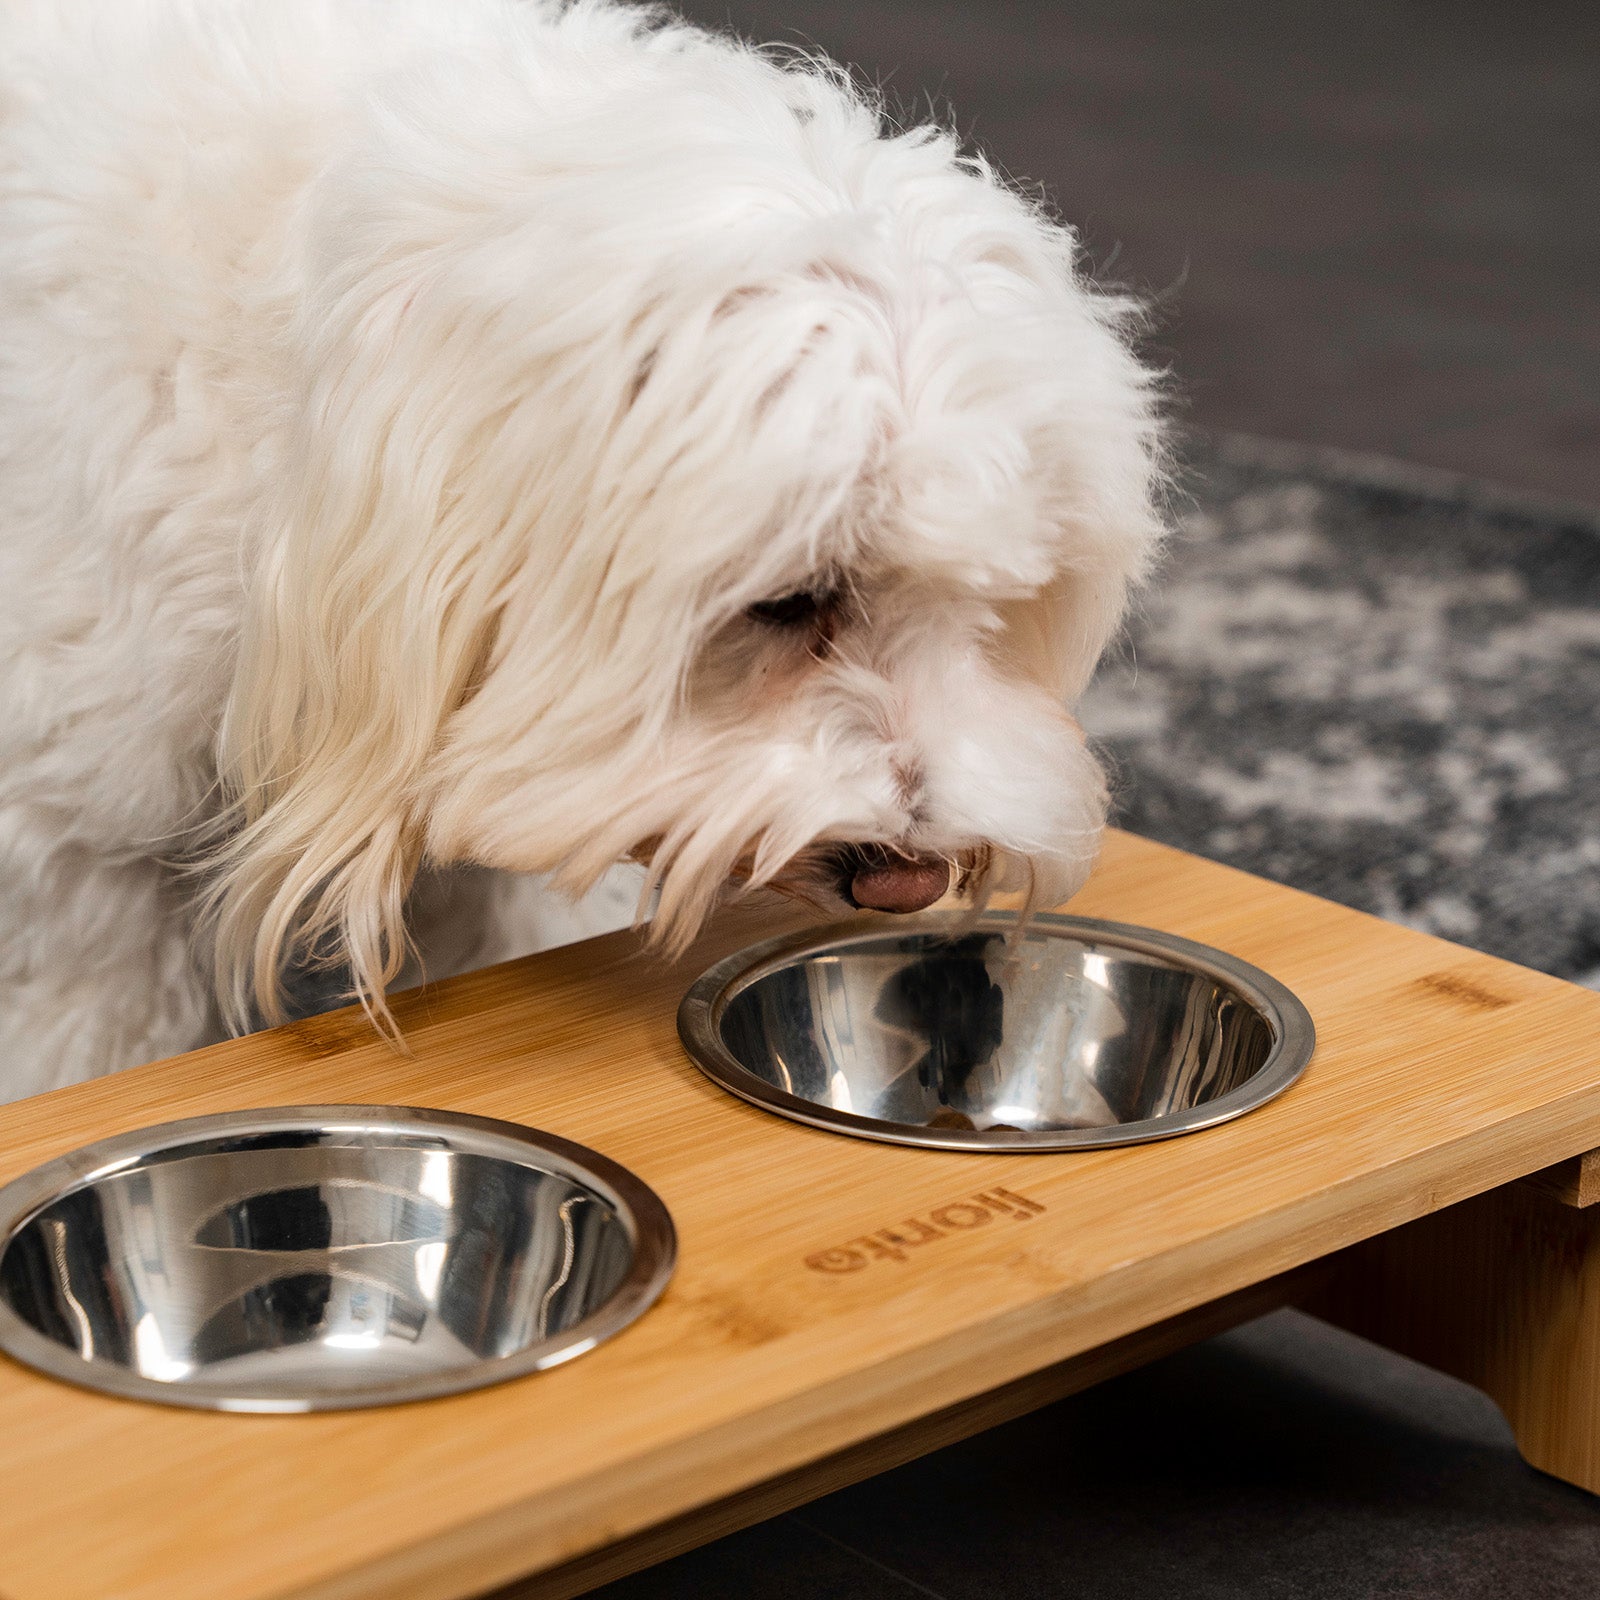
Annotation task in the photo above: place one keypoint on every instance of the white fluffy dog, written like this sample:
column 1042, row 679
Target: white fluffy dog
column 443, row 440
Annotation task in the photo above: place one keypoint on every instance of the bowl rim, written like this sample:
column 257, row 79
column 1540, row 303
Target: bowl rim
column 640, row 1210
column 1293, row 1031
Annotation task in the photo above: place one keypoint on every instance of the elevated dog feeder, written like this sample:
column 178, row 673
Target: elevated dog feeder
column 842, row 1304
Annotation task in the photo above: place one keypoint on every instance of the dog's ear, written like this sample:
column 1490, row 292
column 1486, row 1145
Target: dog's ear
column 370, row 609
column 1056, row 638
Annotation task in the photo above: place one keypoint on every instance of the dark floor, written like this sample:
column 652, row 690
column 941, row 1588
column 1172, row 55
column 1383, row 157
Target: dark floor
column 1282, row 1460
column 1372, row 225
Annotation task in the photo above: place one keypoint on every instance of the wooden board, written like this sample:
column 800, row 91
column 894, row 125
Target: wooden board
column 1439, row 1073
column 1502, row 1290
column 885, row 1451
column 1575, row 1182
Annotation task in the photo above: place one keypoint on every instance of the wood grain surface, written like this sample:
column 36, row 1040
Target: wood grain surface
column 934, row 1431
column 1439, row 1074
column 1502, row 1290
column 1575, row 1182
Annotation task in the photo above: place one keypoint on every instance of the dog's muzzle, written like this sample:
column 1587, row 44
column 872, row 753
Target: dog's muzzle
column 876, row 878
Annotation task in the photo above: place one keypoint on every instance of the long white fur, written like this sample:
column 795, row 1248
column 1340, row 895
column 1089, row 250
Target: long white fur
column 401, row 404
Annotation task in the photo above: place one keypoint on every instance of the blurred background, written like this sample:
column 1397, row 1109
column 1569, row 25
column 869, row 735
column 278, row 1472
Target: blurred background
column 1370, row 225
column 1367, row 223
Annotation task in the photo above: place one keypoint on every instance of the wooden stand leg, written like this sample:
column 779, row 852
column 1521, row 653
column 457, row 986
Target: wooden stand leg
column 1503, row 1291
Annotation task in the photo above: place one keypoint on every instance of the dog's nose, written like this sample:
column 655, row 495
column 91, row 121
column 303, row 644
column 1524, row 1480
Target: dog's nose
column 880, row 879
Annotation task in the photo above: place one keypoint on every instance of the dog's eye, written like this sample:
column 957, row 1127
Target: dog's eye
column 800, row 609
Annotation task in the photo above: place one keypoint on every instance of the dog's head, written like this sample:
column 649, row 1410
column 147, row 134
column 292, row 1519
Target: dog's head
column 755, row 500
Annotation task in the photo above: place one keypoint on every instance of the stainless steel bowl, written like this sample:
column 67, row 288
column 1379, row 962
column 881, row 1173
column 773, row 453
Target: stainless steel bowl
column 314, row 1258
column 941, row 1031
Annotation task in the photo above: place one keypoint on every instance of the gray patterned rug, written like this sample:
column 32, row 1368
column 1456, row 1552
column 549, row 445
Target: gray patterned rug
column 1379, row 684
